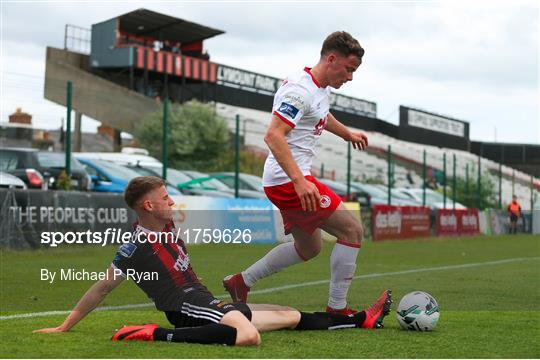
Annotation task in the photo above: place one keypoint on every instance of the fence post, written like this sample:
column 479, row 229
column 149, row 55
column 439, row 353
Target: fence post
column 444, row 180
column 479, row 185
column 65, row 36
column 389, row 160
column 68, row 129
column 500, row 185
column 424, row 177
column 513, row 181
column 237, row 159
column 454, row 182
column 467, row 184
column 165, row 139
column 532, row 197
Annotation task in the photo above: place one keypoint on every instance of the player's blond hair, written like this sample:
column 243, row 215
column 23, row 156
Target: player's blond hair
column 343, row 43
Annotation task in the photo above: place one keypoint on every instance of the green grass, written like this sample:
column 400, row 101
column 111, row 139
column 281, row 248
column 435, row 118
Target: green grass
column 487, row 310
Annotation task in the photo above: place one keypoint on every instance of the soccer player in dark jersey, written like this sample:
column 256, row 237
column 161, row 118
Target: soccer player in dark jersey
column 197, row 316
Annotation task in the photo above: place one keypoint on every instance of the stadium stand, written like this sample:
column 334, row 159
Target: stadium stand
column 372, row 164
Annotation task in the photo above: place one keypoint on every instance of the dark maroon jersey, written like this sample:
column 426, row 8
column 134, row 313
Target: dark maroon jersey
column 159, row 266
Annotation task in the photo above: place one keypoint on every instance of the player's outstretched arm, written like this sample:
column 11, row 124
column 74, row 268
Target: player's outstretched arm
column 90, row 300
column 358, row 139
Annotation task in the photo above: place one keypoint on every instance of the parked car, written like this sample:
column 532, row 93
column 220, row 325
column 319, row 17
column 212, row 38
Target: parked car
column 8, row 181
column 179, row 180
column 122, row 158
column 110, row 177
column 246, row 181
column 40, row 169
column 373, row 196
column 378, row 194
column 249, row 186
column 341, row 190
column 205, row 181
column 433, row 199
column 365, row 194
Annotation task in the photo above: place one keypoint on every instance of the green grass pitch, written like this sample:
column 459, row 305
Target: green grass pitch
column 489, row 305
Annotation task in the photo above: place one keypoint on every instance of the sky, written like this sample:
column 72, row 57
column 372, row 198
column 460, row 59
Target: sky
column 475, row 61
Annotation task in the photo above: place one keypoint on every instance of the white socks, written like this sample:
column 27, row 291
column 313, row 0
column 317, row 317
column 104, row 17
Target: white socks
column 343, row 265
column 275, row 260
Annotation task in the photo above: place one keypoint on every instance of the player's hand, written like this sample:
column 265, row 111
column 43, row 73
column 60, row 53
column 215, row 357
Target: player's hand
column 51, row 330
column 308, row 194
column 359, row 140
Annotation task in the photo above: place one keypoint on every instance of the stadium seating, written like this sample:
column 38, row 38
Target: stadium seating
column 373, row 165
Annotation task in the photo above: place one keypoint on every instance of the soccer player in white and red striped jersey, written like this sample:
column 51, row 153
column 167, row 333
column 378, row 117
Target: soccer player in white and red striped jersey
column 301, row 112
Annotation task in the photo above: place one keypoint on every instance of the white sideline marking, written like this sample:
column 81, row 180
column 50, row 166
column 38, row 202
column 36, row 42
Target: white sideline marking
column 285, row 287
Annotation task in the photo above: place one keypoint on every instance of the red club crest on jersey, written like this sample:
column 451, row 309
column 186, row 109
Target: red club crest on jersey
column 320, row 126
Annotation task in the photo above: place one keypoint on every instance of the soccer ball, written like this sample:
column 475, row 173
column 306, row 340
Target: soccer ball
column 418, row 311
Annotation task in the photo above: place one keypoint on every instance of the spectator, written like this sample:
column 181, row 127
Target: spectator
column 514, row 211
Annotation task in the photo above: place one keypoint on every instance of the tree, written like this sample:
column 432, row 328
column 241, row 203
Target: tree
column 249, row 163
column 468, row 194
column 198, row 138
column 63, row 181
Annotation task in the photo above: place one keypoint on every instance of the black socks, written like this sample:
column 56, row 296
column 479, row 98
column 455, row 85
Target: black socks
column 327, row 321
column 226, row 335
column 207, row 334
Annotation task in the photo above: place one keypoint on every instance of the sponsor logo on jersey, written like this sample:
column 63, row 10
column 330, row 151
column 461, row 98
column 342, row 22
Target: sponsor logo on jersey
column 325, row 201
column 182, row 261
column 294, row 99
column 288, row 109
column 126, row 250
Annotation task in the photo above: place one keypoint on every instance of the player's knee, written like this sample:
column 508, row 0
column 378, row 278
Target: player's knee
column 290, row 316
column 311, row 251
column 354, row 233
column 248, row 336
column 316, row 249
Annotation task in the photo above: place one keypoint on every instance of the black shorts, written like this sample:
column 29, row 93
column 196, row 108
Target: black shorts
column 513, row 218
column 199, row 307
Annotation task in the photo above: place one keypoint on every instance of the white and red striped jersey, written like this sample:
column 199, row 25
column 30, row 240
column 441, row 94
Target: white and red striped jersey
column 303, row 105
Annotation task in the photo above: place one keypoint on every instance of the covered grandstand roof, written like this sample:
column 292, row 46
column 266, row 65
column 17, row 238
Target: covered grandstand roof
column 145, row 22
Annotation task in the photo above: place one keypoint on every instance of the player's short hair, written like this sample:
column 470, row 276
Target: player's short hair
column 343, row 43
column 140, row 186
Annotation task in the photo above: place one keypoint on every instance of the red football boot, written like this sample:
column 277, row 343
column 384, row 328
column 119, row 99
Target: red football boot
column 136, row 332
column 378, row 310
column 345, row 311
column 236, row 287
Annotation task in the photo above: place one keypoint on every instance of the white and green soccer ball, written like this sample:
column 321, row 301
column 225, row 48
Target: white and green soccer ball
column 418, row 311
